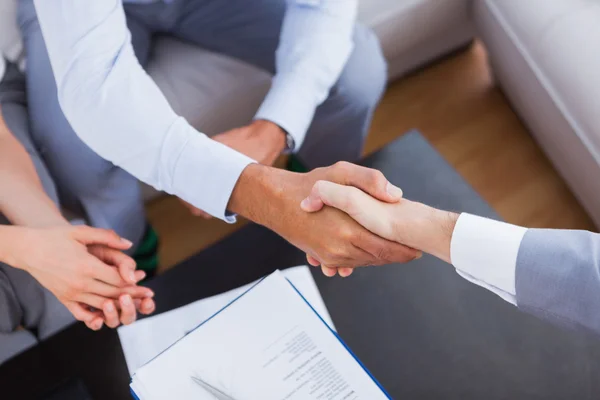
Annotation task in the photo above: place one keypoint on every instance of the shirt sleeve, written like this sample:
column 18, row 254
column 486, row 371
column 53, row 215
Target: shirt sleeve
column 485, row 252
column 119, row 112
column 315, row 45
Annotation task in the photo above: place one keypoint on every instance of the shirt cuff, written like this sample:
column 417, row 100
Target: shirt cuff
column 291, row 105
column 485, row 252
column 219, row 172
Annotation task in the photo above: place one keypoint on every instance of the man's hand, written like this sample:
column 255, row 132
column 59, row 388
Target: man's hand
column 262, row 141
column 331, row 238
column 82, row 266
column 411, row 223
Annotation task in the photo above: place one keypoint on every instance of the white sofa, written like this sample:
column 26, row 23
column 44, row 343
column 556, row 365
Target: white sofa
column 546, row 57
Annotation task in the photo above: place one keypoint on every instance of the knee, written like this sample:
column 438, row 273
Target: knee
column 364, row 78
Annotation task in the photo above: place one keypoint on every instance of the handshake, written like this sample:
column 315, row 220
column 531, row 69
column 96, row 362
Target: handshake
column 352, row 217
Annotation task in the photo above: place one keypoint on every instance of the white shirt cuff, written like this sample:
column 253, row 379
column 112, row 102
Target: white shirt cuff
column 214, row 165
column 485, row 252
column 291, row 105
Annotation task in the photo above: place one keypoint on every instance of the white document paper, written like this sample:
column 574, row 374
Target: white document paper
column 145, row 339
column 268, row 345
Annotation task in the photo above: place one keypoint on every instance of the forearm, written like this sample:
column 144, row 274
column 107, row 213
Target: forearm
column 22, row 197
column 315, row 45
column 255, row 196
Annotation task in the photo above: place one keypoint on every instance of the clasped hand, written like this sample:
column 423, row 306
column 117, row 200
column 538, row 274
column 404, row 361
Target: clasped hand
column 86, row 270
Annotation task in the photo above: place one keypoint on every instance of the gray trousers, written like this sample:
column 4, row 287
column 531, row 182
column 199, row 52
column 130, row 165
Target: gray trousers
column 28, row 311
column 248, row 30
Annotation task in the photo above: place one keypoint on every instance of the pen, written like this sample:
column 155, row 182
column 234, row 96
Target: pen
column 219, row 395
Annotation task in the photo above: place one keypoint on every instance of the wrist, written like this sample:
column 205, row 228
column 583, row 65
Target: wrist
column 271, row 134
column 246, row 199
column 442, row 229
column 30, row 206
column 259, row 194
column 427, row 229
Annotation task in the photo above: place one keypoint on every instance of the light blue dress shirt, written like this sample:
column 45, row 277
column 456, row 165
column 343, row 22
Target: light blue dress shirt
column 117, row 110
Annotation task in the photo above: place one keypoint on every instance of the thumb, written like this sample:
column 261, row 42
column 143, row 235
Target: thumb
column 313, row 202
column 370, row 181
column 89, row 236
column 345, row 198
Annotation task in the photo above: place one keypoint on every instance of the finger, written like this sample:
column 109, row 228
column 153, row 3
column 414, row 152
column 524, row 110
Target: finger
column 345, row 272
column 92, row 300
column 125, row 264
column 81, row 313
column 108, row 291
column 89, row 236
column 328, row 271
column 312, row 261
column 104, row 290
column 139, row 276
column 138, row 292
column 313, row 202
column 127, row 310
column 111, row 315
column 95, row 324
column 348, row 199
column 144, row 306
column 368, row 180
column 384, row 251
column 367, row 211
column 147, row 307
column 105, row 273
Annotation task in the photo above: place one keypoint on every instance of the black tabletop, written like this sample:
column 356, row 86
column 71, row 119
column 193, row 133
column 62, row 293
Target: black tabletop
column 423, row 331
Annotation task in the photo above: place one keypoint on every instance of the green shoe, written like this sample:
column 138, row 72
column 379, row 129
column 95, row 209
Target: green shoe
column 146, row 255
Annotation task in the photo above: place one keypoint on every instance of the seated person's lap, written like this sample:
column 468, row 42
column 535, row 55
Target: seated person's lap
column 27, row 310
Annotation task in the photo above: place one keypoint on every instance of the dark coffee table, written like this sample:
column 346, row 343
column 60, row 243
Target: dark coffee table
column 423, row 331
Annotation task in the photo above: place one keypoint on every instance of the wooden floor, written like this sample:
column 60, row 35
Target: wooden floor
column 458, row 108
